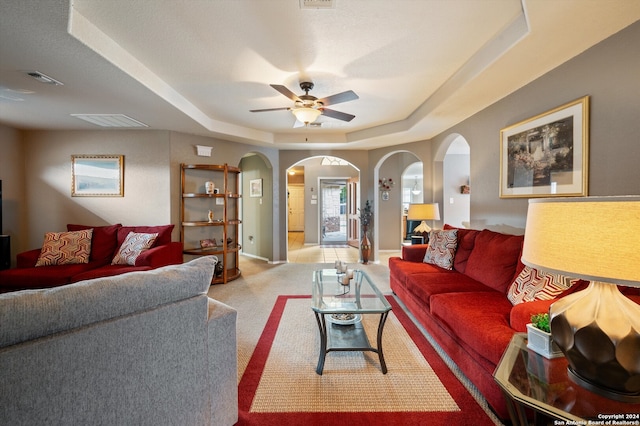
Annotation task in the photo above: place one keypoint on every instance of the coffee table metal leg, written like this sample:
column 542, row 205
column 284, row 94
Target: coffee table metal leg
column 322, row 326
column 383, row 319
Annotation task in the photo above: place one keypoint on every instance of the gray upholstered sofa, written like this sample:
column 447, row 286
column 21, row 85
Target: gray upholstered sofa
column 144, row 348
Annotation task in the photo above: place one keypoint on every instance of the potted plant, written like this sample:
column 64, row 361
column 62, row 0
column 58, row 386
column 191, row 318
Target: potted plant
column 539, row 337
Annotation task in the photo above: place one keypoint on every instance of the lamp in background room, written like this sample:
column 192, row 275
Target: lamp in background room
column 306, row 115
column 423, row 212
column 598, row 329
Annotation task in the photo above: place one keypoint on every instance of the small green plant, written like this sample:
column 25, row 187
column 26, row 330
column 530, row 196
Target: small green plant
column 541, row 321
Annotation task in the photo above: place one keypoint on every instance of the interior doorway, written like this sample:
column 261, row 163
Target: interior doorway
column 333, row 211
column 295, row 195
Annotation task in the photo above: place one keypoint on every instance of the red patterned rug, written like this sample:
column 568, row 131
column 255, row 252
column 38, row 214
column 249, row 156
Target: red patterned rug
column 280, row 385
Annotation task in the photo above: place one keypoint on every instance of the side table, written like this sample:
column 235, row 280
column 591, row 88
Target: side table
column 531, row 381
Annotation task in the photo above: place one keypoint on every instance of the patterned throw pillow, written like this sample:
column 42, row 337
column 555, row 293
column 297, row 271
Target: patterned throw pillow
column 65, row 248
column 133, row 245
column 532, row 285
column 442, row 248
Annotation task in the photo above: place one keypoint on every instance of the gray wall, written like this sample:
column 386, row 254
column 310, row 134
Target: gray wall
column 12, row 174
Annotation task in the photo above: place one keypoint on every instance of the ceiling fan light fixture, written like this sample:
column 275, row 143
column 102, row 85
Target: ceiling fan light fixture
column 306, row 115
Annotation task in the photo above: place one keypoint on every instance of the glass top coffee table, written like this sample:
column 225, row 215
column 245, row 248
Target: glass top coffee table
column 339, row 308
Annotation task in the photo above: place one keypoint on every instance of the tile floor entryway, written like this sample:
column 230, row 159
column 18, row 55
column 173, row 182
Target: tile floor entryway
column 315, row 253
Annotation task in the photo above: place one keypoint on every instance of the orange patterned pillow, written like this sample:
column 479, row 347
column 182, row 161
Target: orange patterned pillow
column 64, row 248
column 532, row 285
column 133, row 245
column 442, row 248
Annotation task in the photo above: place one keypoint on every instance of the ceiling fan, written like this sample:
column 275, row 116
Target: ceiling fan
column 308, row 108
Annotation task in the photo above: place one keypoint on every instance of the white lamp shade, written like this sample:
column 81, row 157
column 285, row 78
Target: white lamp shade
column 592, row 238
column 423, row 212
column 306, row 115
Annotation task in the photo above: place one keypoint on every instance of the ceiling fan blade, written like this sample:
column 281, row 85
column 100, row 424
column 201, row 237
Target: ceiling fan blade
column 337, row 114
column 347, row 96
column 270, row 109
column 288, row 93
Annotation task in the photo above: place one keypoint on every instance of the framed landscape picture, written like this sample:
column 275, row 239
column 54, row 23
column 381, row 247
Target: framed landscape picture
column 97, row 175
column 547, row 155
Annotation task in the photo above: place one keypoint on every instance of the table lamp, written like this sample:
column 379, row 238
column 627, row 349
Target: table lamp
column 598, row 329
column 423, row 212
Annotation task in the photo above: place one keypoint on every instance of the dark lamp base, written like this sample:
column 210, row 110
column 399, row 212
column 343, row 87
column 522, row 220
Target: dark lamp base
column 607, row 393
column 598, row 330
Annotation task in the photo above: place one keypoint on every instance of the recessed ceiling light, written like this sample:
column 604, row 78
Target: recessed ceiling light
column 110, row 120
column 43, row 78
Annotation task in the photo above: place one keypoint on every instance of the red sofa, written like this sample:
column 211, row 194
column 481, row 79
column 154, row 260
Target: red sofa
column 466, row 309
column 105, row 243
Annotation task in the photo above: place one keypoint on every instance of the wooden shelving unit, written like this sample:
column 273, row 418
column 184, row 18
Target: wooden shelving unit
column 195, row 206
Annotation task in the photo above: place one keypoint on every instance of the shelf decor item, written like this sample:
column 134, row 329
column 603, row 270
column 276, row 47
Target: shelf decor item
column 208, row 243
column 209, row 187
column 597, row 329
column 547, row 155
column 539, row 337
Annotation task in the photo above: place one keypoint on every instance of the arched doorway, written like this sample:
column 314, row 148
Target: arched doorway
column 322, row 203
column 389, row 210
column 456, row 181
column 256, row 212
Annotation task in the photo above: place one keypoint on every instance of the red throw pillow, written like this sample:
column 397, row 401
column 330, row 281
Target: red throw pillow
column 103, row 243
column 494, row 259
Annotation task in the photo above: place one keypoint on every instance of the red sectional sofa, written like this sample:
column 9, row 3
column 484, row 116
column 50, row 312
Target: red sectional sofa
column 466, row 309
column 105, row 243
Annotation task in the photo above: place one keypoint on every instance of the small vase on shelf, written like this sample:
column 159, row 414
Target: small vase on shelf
column 210, row 216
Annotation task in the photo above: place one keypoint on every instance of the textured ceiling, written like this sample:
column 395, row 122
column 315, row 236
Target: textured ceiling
column 418, row 67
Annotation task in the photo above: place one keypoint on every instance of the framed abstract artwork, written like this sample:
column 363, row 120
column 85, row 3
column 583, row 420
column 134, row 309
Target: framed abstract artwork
column 255, row 188
column 97, row 175
column 547, row 155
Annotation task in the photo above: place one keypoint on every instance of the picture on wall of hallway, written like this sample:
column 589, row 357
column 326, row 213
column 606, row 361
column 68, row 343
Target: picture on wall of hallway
column 547, row 155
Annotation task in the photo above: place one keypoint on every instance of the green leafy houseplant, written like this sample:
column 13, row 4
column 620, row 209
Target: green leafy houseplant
column 541, row 321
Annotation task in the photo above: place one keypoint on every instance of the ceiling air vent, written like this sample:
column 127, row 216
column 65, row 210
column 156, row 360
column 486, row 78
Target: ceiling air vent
column 43, row 78
column 110, row 120
column 317, row 4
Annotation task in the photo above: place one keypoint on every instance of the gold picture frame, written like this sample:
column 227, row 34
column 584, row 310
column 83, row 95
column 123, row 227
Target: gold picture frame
column 97, row 175
column 547, row 155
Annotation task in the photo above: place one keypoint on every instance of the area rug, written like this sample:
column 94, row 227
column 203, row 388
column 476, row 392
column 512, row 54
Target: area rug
column 280, row 385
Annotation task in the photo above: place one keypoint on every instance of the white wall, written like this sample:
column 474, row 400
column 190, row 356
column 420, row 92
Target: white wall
column 455, row 208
